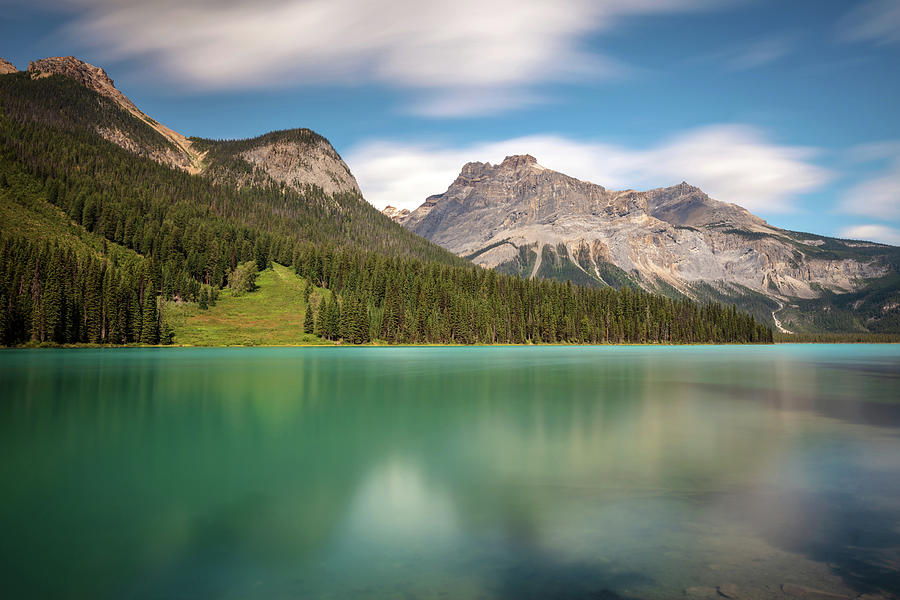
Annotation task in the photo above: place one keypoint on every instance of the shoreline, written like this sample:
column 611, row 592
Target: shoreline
column 88, row 346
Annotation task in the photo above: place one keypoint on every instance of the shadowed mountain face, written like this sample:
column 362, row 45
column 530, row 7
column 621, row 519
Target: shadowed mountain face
column 519, row 217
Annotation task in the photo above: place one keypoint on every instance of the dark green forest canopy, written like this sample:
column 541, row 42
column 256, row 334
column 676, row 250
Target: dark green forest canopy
column 168, row 235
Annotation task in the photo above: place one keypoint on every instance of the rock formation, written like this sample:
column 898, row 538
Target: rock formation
column 520, row 217
column 397, row 215
column 7, row 67
column 304, row 163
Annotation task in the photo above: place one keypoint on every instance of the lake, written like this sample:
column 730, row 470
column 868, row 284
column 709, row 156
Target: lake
column 504, row 472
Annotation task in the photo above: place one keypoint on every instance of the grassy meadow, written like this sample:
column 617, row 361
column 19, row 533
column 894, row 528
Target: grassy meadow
column 271, row 315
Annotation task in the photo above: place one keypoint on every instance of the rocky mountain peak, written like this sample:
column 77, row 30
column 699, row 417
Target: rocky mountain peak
column 397, row 215
column 687, row 205
column 7, row 67
column 685, row 188
column 521, row 218
column 300, row 157
column 473, row 169
column 92, row 77
column 181, row 155
column 518, row 161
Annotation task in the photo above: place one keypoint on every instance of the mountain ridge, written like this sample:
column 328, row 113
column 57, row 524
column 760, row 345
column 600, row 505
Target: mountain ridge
column 182, row 154
column 520, row 217
column 312, row 162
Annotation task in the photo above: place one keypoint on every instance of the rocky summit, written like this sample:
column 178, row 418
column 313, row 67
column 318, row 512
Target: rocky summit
column 7, row 67
column 312, row 161
column 398, row 215
column 91, row 77
column 520, row 217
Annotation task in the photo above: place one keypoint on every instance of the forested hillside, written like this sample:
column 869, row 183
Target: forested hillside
column 110, row 233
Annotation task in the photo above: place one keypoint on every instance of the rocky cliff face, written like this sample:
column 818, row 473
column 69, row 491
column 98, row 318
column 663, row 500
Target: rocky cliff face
column 298, row 158
column 300, row 164
column 520, row 217
column 7, row 67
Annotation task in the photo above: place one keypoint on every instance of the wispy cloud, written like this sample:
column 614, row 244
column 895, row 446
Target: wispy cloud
column 733, row 163
column 486, row 51
column 468, row 101
column 760, row 53
column 878, row 195
column 872, row 233
column 872, row 21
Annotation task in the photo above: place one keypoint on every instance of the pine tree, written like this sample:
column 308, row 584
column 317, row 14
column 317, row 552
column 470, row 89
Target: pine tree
column 321, row 323
column 334, row 320
column 308, row 322
column 150, row 327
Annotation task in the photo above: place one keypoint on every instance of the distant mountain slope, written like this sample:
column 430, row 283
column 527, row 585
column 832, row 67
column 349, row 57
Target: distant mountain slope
column 519, row 217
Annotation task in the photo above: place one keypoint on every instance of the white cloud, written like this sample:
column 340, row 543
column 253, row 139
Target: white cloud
column 872, row 21
column 872, row 233
column 486, row 51
column 878, row 196
column 733, row 163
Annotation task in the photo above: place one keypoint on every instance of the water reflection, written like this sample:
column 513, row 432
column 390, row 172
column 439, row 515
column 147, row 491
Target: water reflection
column 495, row 472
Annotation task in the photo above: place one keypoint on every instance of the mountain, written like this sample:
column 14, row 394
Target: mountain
column 397, row 215
column 176, row 152
column 117, row 229
column 521, row 218
column 297, row 158
column 290, row 183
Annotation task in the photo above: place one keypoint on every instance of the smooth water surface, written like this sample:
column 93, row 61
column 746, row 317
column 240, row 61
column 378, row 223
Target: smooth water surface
column 508, row 472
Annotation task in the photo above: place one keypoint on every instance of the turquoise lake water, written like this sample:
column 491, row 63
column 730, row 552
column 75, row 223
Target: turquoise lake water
column 506, row 472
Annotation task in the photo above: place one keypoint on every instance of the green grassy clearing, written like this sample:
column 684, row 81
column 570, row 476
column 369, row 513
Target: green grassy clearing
column 271, row 315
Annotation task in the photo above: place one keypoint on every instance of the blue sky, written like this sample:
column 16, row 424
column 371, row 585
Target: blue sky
column 787, row 108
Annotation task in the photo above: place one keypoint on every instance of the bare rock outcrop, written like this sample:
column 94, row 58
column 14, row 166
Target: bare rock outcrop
column 676, row 237
column 397, row 215
column 7, row 67
column 300, row 164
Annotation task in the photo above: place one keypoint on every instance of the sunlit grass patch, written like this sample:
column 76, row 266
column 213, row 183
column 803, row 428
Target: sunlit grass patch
column 271, row 315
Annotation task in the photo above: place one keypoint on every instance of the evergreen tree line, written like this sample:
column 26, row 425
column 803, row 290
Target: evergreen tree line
column 400, row 300
column 50, row 293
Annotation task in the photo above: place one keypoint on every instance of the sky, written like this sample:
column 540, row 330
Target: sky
column 790, row 109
